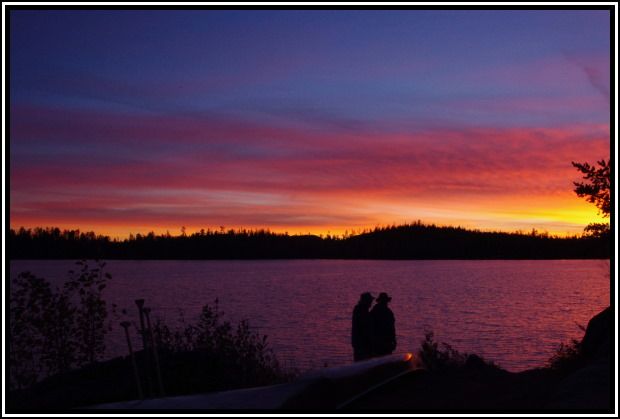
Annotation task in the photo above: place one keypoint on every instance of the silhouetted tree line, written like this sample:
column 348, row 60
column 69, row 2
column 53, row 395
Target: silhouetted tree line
column 409, row 241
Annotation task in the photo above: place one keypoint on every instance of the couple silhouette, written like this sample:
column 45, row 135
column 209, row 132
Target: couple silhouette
column 373, row 332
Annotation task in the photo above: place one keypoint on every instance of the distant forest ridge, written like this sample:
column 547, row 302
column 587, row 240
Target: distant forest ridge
column 409, row 241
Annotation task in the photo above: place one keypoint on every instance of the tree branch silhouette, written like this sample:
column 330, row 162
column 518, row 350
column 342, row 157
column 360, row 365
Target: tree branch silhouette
column 596, row 188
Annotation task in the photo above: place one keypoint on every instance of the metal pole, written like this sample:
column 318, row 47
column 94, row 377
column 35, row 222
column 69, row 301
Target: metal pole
column 140, row 304
column 147, row 358
column 147, row 312
column 125, row 326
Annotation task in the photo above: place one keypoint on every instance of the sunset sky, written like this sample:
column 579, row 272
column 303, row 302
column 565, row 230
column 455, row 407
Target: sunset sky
column 305, row 121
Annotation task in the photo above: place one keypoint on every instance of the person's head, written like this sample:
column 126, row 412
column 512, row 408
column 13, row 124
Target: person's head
column 366, row 298
column 383, row 298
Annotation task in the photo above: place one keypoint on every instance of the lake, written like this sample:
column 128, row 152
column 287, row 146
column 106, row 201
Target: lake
column 515, row 313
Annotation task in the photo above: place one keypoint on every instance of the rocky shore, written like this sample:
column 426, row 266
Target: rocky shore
column 581, row 383
column 584, row 384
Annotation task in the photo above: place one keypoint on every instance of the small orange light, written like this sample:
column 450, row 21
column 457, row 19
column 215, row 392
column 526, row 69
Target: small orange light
column 408, row 356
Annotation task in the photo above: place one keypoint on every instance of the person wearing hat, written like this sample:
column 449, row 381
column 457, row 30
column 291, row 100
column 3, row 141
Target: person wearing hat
column 360, row 330
column 383, row 328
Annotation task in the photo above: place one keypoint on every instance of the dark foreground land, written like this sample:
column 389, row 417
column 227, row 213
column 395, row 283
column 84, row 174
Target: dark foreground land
column 580, row 381
column 470, row 389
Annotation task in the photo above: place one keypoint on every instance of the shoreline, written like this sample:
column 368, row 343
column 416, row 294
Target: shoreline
column 472, row 385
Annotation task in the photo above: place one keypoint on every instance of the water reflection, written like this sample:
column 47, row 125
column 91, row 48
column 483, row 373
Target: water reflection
column 512, row 312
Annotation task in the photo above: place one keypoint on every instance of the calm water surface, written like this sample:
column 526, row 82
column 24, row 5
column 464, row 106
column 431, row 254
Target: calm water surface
column 515, row 313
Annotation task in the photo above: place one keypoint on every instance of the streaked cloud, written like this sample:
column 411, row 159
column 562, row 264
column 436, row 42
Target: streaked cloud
column 302, row 122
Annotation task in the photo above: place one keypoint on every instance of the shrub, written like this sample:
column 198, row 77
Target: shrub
column 232, row 356
column 434, row 358
column 568, row 357
column 53, row 330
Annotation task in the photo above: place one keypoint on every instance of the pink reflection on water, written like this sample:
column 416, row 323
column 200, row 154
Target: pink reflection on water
column 515, row 313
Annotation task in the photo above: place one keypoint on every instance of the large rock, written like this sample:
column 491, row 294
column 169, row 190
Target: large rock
column 596, row 342
column 589, row 387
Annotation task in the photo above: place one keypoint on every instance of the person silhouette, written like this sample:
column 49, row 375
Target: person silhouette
column 361, row 328
column 382, row 326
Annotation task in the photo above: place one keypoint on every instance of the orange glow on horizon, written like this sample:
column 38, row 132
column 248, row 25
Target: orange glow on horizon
column 556, row 216
column 447, row 177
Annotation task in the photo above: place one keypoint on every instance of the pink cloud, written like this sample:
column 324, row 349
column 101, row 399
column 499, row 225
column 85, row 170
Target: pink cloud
column 297, row 177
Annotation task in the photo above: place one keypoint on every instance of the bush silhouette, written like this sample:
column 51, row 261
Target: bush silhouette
column 53, row 330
